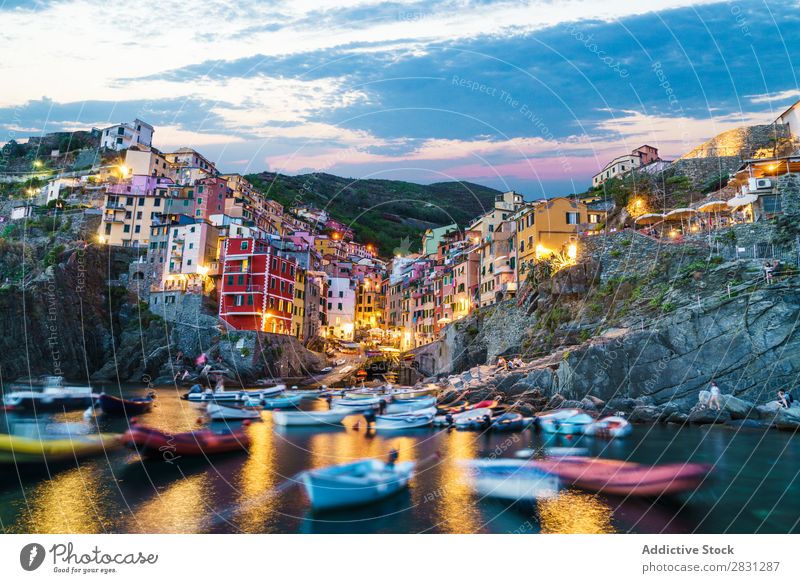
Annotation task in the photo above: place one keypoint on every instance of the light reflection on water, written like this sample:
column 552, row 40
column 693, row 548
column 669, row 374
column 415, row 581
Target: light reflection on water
column 125, row 494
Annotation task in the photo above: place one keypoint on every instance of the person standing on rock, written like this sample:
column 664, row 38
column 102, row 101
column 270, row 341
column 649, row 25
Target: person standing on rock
column 768, row 269
column 713, row 401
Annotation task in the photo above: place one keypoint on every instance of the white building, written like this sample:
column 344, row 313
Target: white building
column 124, row 135
column 190, row 251
column 341, row 308
column 641, row 156
column 791, row 117
column 52, row 189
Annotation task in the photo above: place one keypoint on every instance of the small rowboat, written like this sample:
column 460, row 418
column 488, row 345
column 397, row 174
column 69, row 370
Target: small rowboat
column 150, row 441
column 219, row 412
column 624, row 478
column 223, row 395
column 411, row 393
column 510, row 422
column 510, row 479
column 565, row 422
column 17, row 449
column 480, row 405
column 357, row 405
column 276, row 402
column 464, row 417
column 407, row 406
column 309, row 417
column 355, row 483
column 410, row 420
column 609, row 427
column 111, row 405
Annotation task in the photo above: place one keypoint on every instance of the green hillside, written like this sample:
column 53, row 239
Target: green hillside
column 383, row 212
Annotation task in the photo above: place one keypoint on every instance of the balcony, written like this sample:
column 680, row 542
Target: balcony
column 244, row 289
column 111, row 218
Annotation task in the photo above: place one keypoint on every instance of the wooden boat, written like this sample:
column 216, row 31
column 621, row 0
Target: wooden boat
column 47, row 448
column 154, row 442
column 409, row 405
column 111, row 405
column 281, row 401
column 358, row 405
column 510, row 422
column 355, row 483
column 565, row 422
column 304, row 393
column 409, row 420
column 309, row 417
column 243, row 395
column 404, row 394
column 222, row 412
column 510, row 479
column 464, row 417
column 49, row 394
column 612, row 426
column 624, row 478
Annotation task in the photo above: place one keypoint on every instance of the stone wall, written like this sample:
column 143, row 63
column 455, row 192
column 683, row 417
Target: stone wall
column 701, row 170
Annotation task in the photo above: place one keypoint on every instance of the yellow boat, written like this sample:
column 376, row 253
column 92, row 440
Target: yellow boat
column 16, row 449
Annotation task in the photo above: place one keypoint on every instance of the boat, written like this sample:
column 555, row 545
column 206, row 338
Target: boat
column 510, row 422
column 355, row 483
column 309, row 417
column 565, row 421
column 612, row 426
column 403, row 394
column 464, row 417
column 222, row 412
column 277, row 402
column 149, row 441
column 625, row 478
column 111, row 405
column 242, row 395
column 358, row 405
column 486, row 404
column 405, row 406
column 479, row 419
column 510, row 479
column 305, row 393
column 49, row 394
column 49, row 446
column 409, row 420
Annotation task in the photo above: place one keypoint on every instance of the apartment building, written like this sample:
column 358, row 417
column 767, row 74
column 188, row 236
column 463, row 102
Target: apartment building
column 124, row 135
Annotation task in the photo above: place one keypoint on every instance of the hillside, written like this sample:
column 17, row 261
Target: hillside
column 384, row 212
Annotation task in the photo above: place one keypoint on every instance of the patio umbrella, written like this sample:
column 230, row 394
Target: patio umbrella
column 713, row 206
column 742, row 200
column 679, row 214
column 649, row 219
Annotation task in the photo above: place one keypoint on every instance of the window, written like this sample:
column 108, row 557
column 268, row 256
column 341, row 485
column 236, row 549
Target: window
column 594, row 218
column 126, row 228
column 771, row 203
column 137, row 229
column 573, row 218
column 129, row 200
column 240, row 280
column 230, row 280
column 339, row 306
column 238, row 300
column 243, row 247
column 138, row 215
column 250, row 300
column 341, row 294
column 157, row 202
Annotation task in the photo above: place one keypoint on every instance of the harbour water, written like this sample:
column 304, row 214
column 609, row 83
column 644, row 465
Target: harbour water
column 753, row 488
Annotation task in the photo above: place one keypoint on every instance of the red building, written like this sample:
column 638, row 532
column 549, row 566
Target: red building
column 257, row 287
column 210, row 196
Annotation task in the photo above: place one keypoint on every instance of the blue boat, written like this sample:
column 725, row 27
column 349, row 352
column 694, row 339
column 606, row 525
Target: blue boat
column 119, row 407
column 510, row 422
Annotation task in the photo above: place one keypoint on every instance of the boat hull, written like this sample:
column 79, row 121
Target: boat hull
column 116, row 406
column 407, row 406
column 218, row 412
column 309, row 418
column 422, row 418
column 331, row 488
column 152, row 442
column 23, row 450
column 511, row 480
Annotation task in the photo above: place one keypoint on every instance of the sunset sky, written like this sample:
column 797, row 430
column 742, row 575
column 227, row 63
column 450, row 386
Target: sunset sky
column 532, row 96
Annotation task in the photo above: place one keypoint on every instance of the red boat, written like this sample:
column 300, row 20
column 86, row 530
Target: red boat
column 625, row 478
column 466, row 407
column 150, row 441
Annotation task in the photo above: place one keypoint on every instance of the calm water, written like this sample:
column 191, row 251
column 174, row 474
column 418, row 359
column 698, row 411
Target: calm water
column 753, row 488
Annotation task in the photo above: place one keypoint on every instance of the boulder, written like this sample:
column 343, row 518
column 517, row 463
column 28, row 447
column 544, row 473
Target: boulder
column 623, row 404
column 704, row 416
column 509, row 380
column 598, row 403
column 782, row 418
column 645, row 401
column 738, row 408
column 570, row 404
column 555, row 401
column 588, row 405
column 645, row 414
column 678, row 418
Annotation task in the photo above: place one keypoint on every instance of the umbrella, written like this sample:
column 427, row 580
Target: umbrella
column 742, row 200
column 679, row 214
column 444, row 320
column 649, row 219
column 713, row 206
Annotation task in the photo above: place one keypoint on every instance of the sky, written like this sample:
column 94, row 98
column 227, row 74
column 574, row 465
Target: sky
column 534, row 96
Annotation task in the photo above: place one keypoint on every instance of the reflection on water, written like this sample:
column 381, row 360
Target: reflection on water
column 73, row 501
column 750, row 490
column 455, row 510
column 574, row 513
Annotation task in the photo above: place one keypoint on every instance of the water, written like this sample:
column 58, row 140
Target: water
column 753, row 487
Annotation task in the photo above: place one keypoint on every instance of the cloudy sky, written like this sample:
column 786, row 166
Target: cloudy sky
column 534, row 96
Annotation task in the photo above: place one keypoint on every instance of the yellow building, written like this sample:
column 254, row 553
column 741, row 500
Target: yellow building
column 369, row 303
column 298, row 308
column 550, row 226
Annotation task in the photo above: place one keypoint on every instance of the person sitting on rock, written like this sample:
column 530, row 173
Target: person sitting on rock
column 713, row 401
column 785, row 399
column 502, row 364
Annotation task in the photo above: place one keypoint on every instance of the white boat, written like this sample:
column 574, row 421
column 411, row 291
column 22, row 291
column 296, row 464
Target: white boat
column 309, row 417
column 420, row 418
column 612, row 426
column 242, row 395
column 565, row 422
column 355, row 483
column 358, row 405
column 510, row 479
column 219, row 412
column 463, row 417
column 410, row 405
column 283, row 400
column 50, row 394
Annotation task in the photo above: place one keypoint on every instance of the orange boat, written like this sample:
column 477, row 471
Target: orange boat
column 625, row 478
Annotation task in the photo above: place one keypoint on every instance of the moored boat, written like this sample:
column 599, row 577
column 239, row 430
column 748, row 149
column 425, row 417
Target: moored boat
column 49, row 394
column 409, row 405
column 625, row 478
column 111, row 405
column 355, row 483
column 309, row 417
column 149, row 441
column 565, row 422
column 279, row 401
column 409, row 420
column 242, row 395
column 510, row 422
column 53, row 448
column 510, row 479
column 222, row 412
column 362, row 404
column 465, row 417
column 612, row 426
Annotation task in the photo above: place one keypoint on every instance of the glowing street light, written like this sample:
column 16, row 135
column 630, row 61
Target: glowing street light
column 123, row 170
column 572, row 251
column 38, row 163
